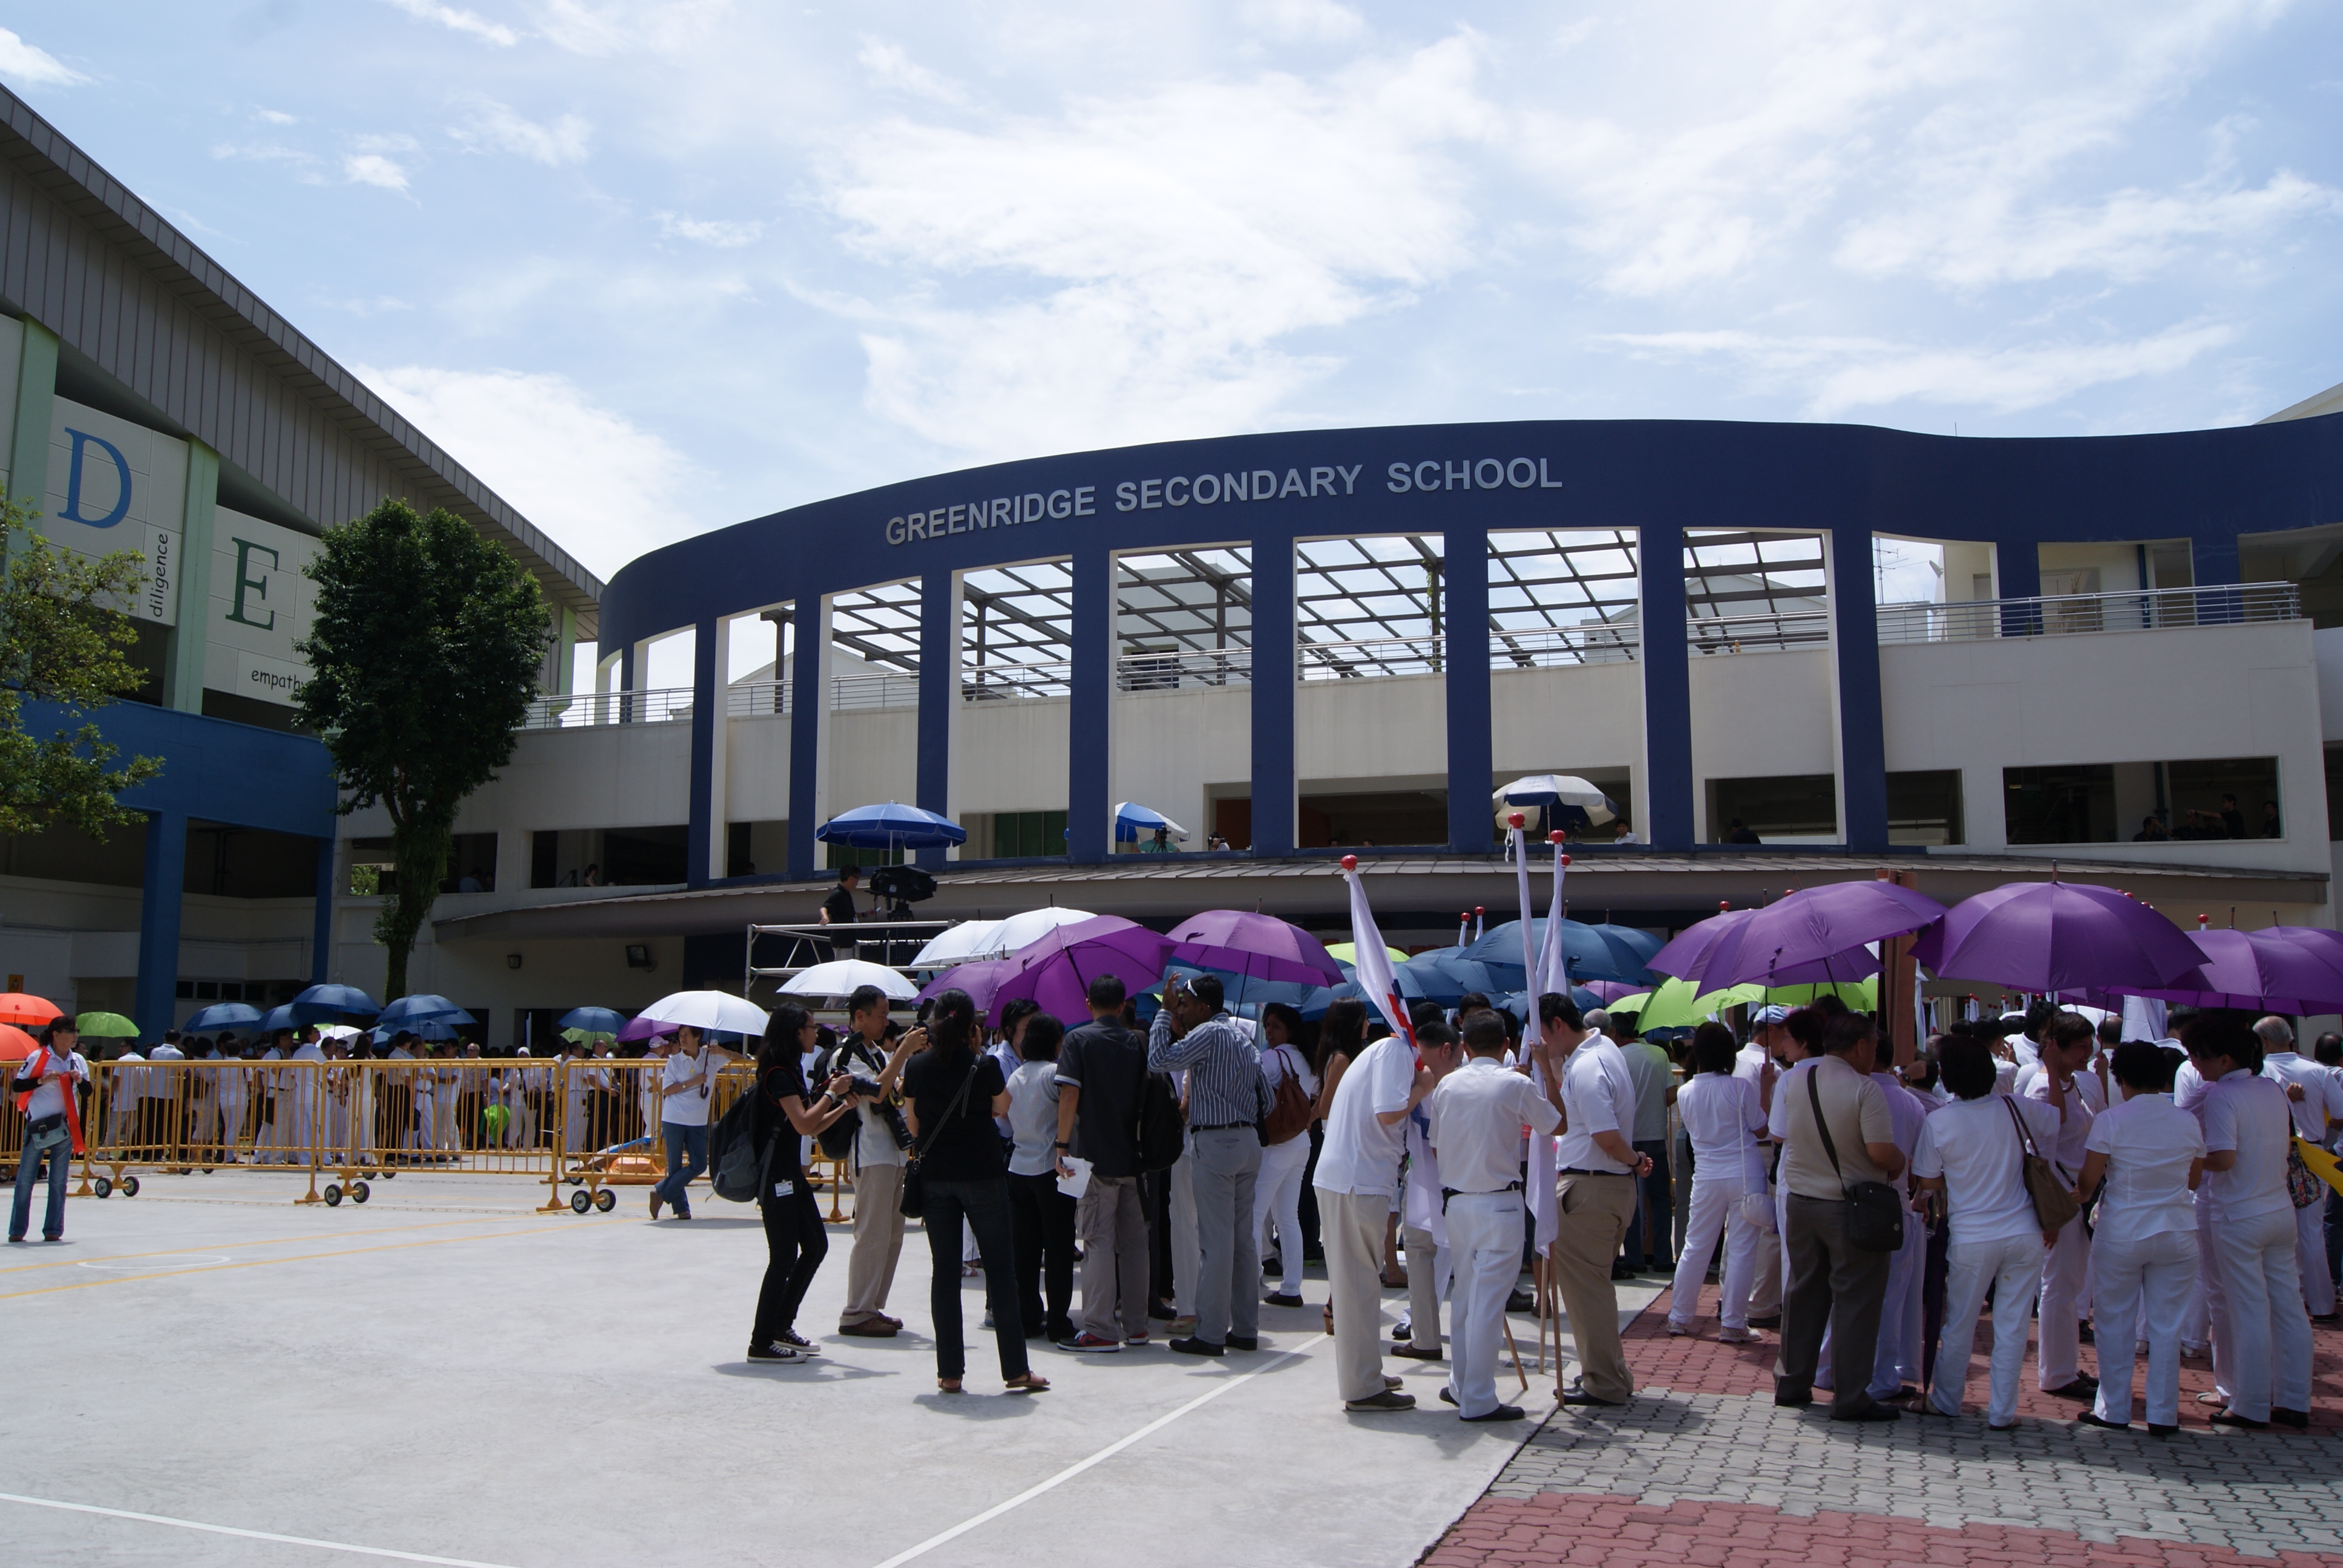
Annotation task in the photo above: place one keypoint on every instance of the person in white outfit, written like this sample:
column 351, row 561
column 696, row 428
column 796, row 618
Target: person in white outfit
column 2150, row 1154
column 1422, row 1215
column 2058, row 1078
column 2253, row 1287
column 302, row 1084
column 2317, row 1095
column 1722, row 1117
column 1762, row 1063
column 1972, row 1153
column 1277, row 1191
column 1477, row 1114
column 235, row 1095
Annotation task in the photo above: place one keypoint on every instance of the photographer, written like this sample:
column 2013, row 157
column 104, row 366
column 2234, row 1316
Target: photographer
column 877, row 1164
column 795, row 1241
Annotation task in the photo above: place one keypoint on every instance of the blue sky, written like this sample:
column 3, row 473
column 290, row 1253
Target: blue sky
column 653, row 269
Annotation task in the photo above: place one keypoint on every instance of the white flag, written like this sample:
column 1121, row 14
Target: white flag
column 1371, row 964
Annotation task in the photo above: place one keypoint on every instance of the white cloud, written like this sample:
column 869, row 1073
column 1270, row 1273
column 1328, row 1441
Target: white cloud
column 600, row 485
column 456, row 19
column 889, row 67
column 1312, row 20
column 563, row 140
column 612, row 27
column 373, row 169
column 275, row 117
column 1836, row 376
column 1148, row 253
column 725, row 234
column 32, row 66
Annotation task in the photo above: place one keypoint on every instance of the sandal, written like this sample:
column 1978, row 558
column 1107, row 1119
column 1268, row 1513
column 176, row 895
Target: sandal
column 948, row 1384
column 1029, row 1383
column 1330, row 1317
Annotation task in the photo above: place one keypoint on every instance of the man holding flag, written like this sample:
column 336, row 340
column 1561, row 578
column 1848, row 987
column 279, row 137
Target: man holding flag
column 46, row 1086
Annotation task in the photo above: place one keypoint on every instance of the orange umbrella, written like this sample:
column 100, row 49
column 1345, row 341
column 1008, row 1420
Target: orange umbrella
column 15, row 1045
column 15, row 1007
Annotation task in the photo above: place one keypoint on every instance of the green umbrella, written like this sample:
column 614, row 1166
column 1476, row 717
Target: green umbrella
column 1860, row 996
column 106, row 1026
column 1675, row 1005
column 587, row 1036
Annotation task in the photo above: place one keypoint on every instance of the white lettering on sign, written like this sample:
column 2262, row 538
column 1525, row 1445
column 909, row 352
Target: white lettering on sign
column 1436, row 475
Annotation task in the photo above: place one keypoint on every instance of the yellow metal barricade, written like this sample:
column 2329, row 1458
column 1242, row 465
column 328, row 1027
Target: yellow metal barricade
column 468, row 1115
column 193, row 1115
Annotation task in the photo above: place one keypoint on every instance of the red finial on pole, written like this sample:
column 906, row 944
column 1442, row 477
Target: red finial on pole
column 1350, row 862
column 1516, row 819
column 1556, row 835
column 1565, row 859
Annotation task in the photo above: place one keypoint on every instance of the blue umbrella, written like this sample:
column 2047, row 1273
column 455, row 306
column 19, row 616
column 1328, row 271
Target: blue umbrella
column 279, row 1018
column 419, row 1006
column 1133, row 821
column 1592, row 952
column 593, row 1020
column 329, row 1001
column 222, row 1015
column 891, row 826
column 431, row 1028
column 1445, row 976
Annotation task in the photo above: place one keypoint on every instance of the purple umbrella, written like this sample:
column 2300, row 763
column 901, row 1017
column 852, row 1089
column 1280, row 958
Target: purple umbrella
column 643, row 1029
column 1819, row 931
column 1056, row 972
column 1258, row 947
column 1613, row 990
column 2257, row 969
column 2058, row 936
column 1683, row 953
column 980, row 978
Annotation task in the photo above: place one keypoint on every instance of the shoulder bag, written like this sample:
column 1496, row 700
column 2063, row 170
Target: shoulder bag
column 913, row 1203
column 1875, row 1211
column 2054, row 1200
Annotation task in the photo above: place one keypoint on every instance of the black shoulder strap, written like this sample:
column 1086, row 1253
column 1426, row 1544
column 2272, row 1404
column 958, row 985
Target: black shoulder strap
column 921, row 1143
column 1814, row 1093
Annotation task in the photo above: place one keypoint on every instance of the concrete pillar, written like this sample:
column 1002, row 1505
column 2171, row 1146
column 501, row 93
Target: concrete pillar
column 1464, row 582
column 182, row 662
column 939, row 697
column 705, row 839
column 158, row 921
column 1667, row 688
column 808, row 734
column 1090, row 710
column 1859, row 752
column 1275, row 685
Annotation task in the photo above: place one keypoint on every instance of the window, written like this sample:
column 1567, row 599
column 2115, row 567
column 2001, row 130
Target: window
column 1801, row 807
column 2142, row 802
column 2069, row 804
column 1925, row 807
column 1023, row 835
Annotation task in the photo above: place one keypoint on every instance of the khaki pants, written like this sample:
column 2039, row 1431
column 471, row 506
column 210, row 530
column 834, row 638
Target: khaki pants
column 1590, row 1217
column 1765, row 1283
column 1112, row 1224
column 877, row 1242
column 1350, row 1230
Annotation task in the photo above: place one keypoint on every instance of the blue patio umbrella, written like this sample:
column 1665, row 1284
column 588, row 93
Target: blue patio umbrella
column 431, row 1028
column 279, row 1018
column 320, row 1003
column 222, row 1015
column 419, row 1007
column 892, row 826
column 1592, row 952
column 1133, row 821
column 593, row 1020
column 1445, row 976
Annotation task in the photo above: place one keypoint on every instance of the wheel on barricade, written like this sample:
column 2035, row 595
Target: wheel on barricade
column 575, row 1181
column 360, row 1191
column 387, row 1173
column 580, row 1201
column 103, row 1187
column 606, row 1200
column 332, row 1195
column 130, row 1186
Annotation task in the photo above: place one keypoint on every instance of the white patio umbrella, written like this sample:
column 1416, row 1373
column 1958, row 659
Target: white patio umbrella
column 1024, row 929
column 1559, row 790
column 844, row 977
column 965, row 942
column 708, row 1009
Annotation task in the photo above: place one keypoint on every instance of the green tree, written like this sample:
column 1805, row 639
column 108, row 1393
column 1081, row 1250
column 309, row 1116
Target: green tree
column 62, row 640
column 425, row 648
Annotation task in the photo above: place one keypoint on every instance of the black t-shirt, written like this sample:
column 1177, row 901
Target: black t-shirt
column 838, row 907
column 774, row 1085
column 967, row 1146
column 1109, row 1064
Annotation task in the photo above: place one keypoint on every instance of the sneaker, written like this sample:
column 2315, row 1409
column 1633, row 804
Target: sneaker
column 1735, row 1337
column 1677, row 1330
column 1384, row 1403
column 797, row 1341
column 1138, row 1341
column 1091, row 1342
column 785, row 1355
column 1184, row 1325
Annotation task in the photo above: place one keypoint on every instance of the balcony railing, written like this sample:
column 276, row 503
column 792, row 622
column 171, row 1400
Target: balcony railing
column 1548, row 648
column 581, row 709
column 2052, row 615
column 1770, row 633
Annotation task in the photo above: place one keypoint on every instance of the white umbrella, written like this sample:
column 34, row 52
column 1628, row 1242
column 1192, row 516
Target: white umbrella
column 338, row 1032
column 708, row 1009
column 1558, row 789
column 967, row 940
column 1023, row 931
column 844, row 977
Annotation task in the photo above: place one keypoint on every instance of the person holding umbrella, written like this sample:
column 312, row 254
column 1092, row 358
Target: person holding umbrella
column 47, row 1085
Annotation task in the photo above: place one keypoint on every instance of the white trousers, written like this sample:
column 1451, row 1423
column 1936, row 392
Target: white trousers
column 1484, row 1240
column 2268, row 1331
column 1766, row 1270
column 2013, row 1267
column 1277, row 1203
column 1187, row 1253
column 2310, row 1258
column 2216, row 1303
column 1715, row 1215
column 2066, row 1284
column 1431, row 1270
column 2141, row 1290
column 232, row 1109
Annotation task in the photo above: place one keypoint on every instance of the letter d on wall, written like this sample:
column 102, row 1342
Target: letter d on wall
column 81, row 442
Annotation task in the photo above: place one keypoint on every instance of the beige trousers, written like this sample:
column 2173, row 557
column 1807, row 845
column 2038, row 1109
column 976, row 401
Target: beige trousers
column 877, row 1242
column 1350, row 1230
column 1591, row 1220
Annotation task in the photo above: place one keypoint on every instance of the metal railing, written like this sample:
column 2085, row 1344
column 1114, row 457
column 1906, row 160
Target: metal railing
column 581, row 709
column 755, row 699
column 1553, row 648
column 1769, row 633
column 2052, row 615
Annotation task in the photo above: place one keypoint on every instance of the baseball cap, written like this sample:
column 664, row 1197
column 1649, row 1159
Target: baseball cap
column 1773, row 1014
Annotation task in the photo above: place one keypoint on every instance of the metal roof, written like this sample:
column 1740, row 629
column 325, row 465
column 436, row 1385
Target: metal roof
column 125, row 289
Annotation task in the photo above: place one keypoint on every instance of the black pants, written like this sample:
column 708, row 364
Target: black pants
column 985, row 1206
column 795, row 1245
column 1042, row 1221
column 1658, row 1197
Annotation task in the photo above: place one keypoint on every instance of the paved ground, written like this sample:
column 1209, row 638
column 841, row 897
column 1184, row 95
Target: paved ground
column 445, row 1375
column 1703, row 1468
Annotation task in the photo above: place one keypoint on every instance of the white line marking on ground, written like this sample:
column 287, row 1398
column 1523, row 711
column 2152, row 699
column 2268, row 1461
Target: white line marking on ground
column 1103, row 1454
column 245, row 1535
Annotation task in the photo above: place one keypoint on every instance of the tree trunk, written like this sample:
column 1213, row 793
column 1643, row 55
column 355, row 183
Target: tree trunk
column 420, row 850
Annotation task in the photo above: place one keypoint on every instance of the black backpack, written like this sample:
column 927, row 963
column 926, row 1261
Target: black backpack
column 736, row 1164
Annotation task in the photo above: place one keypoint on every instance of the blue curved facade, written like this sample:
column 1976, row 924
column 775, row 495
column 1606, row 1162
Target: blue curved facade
column 1661, row 477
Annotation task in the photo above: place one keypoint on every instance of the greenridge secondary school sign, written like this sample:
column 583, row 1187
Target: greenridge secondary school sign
column 1432, row 475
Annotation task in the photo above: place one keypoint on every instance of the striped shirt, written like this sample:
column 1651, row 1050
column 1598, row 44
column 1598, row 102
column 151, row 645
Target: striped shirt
column 1225, row 1088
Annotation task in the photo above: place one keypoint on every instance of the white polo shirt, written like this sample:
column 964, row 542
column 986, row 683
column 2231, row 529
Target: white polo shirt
column 1478, row 1112
column 1599, row 1097
column 2149, row 1142
column 1360, row 1154
column 689, row 1109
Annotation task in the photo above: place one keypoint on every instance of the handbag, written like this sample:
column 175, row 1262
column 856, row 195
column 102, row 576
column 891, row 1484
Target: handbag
column 913, row 1202
column 2303, row 1188
column 1875, row 1211
column 2053, row 1202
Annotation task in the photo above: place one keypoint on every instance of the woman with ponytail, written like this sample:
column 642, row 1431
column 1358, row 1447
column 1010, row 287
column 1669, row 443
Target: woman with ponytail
column 953, row 1092
column 795, row 1241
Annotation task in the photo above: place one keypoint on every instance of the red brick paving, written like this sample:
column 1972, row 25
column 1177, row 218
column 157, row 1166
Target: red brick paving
column 1606, row 1531
column 1698, row 1363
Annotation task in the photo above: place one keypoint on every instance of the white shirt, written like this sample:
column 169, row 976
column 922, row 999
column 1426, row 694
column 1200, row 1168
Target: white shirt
column 2321, row 1105
column 1721, row 1118
column 1360, row 1154
column 689, row 1109
column 2085, row 1101
column 2149, row 1142
column 49, row 1095
column 1653, row 1074
column 1280, row 1060
column 1974, row 1145
column 2250, row 1115
column 874, row 1143
column 1598, row 1096
column 1478, row 1112
column 161, row 1085
column 1033, row 1118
